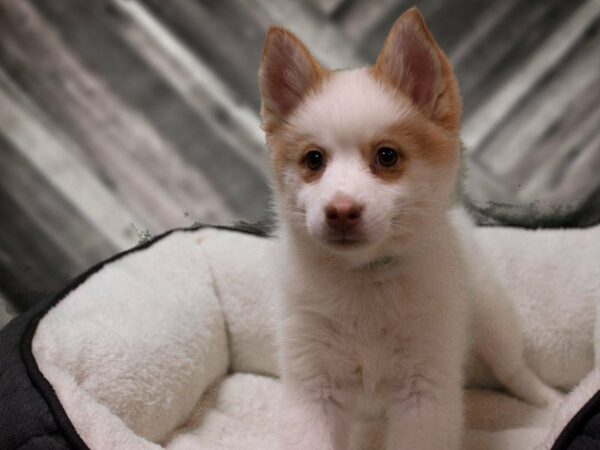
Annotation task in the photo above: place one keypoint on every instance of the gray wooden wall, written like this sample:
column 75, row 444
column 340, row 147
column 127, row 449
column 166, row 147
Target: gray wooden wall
column 121, row 119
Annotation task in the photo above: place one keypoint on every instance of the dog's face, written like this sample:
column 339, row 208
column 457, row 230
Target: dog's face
column 367, row 156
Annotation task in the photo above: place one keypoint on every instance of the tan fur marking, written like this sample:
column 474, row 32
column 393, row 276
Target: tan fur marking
column 413, row 138
column 427, row 141
column 448, row 105
column 308, row 175
column 271, row 117
column 288, row 149
column 369, row 155
column 418, row 136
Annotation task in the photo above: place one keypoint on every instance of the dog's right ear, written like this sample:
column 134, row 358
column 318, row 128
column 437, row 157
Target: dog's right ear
column 412, row 62
column 287, row 72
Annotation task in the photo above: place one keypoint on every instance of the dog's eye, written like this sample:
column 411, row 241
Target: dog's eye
column 314, row 160
column 387, row 156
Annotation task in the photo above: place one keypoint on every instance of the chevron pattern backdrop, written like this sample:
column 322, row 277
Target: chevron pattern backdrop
column 121, row 119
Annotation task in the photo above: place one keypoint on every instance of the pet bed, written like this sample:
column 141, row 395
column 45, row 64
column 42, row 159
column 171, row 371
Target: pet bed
column 171, row 345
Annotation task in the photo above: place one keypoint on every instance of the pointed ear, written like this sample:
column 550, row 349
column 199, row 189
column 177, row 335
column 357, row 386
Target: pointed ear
column 413, row 63
column 287, row 72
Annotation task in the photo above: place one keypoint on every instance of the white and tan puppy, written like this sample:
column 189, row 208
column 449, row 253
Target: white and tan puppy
column 377, row 276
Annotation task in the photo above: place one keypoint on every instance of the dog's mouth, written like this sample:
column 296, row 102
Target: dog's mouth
column 346, row 241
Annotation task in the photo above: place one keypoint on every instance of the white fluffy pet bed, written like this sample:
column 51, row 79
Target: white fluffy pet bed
column 172, row 345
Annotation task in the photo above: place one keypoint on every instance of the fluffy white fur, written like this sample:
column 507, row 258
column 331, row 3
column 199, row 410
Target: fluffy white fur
column 362, row 339
column 395, row 338
column 352, row 108
column 222, row 283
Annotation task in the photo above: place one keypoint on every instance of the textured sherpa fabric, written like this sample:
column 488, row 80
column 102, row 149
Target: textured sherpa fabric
column 173, row 346
column 150, row 355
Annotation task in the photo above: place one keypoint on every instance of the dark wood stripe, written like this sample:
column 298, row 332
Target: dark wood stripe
column 42, row 204
column 119, row 143
column 224, row 33
column 31, row 265
column 507, row 46
column 92, row 33
column 373, row 39
column 578, row 99
column 44, row 241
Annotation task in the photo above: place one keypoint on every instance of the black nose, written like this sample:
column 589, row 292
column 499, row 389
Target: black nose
column 343, row 214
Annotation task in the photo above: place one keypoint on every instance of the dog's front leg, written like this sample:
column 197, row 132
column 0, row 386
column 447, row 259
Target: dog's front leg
column 425, row 418
column 313, row 419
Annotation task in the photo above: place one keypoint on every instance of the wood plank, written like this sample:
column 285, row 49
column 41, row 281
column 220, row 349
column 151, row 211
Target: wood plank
column 372, row 39
column 328, row 7
column 7, row 311
column 460, row 41
column 324, row 40
column 533, row 154
column 523, row 129
column 509, row 46
column 113, row 139
column 78, row 240
column 196, row 83
column 580, row 179
column 159, row 124
column 361, row 17
column 227, row 35
column 558, row 178
column 31, row 266
column 456, row 29
column 569, row 126
column 495, row 109
column 45, row 241
column 63, row 170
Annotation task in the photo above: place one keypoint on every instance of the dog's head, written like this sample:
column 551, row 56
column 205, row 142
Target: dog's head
column 364, row 157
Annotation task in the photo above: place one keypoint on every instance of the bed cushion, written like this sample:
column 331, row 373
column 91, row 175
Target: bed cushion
column 171, row 345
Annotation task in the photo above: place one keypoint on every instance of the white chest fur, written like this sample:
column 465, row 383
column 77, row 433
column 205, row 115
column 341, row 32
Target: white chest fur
column 372, row 331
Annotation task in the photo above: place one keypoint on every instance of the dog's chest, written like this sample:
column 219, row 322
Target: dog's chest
column 376, row 338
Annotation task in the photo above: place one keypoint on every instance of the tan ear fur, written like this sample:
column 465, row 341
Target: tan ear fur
column 287, row 73
column 412, row 62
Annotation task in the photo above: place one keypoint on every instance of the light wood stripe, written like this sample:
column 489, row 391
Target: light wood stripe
column 482, row 27
column 78, row 241
column 577, row 181
column 362, row 16
column 32, row 267
column 324, row 40
column 560, row 177
column 228, row 34
column 196, row 84
column 64, row 171
column 143, row 117
column 328, row 7
column 547, row 106
column 6, row 311
column 158, row 186
column 504, row 100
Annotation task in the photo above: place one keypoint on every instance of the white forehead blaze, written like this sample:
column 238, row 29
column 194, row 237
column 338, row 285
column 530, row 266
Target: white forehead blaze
column 349, row 109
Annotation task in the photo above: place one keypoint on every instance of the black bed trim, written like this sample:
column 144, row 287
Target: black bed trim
column 567, row 439
column 42, row 385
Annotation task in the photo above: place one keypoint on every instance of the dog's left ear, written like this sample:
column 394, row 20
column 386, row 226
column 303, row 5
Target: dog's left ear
column 412, row 62
column 287, row 72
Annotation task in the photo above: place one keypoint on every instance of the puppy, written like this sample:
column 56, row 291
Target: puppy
column 377, row 276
